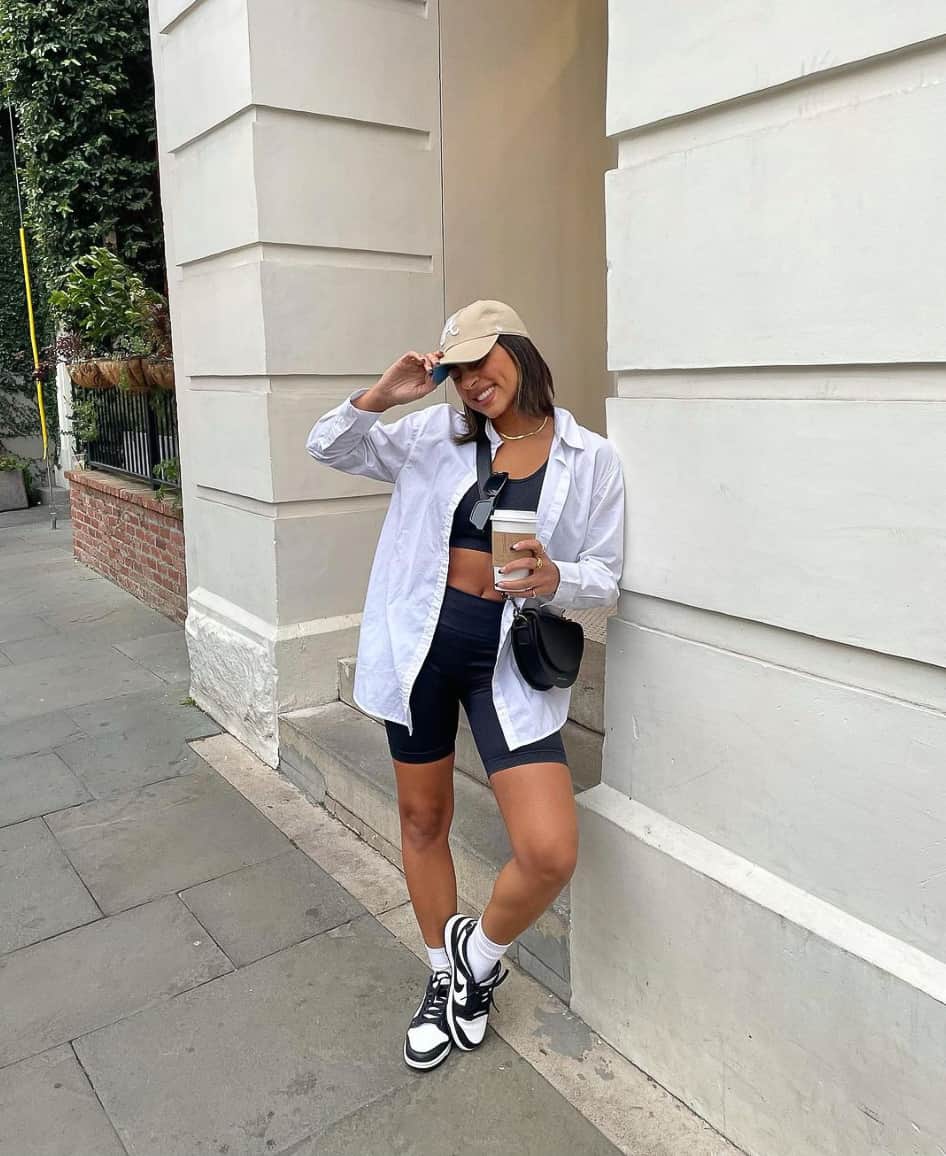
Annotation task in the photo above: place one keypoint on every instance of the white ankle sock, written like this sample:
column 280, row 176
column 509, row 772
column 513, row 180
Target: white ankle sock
column 482, row 953
column 439, row 960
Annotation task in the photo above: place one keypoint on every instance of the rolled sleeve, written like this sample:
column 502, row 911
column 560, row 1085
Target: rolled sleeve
column 593, row 579
column 351, row 440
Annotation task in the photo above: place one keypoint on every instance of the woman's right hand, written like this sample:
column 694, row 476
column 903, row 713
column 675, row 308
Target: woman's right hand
column 408, row 379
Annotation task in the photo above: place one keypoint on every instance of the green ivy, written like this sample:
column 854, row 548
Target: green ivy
column 18, row 413
column 79, row 76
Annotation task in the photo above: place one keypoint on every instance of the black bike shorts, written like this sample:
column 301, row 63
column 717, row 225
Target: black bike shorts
column 459, row 669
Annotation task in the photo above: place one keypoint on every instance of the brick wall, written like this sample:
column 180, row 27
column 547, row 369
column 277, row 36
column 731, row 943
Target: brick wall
column 122, row 530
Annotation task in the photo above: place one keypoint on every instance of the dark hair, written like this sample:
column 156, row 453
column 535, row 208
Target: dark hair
column 536, row 396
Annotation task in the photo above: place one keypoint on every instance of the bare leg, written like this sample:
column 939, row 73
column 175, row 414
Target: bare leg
column 538, row 807
column 425, row 804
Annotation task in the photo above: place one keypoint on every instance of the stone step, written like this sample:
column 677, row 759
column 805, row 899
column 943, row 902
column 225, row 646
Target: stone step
column 583, row 746
column 340, row 758
column 587, row 705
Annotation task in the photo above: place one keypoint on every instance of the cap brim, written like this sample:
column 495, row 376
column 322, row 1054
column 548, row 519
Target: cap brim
column 468, row 351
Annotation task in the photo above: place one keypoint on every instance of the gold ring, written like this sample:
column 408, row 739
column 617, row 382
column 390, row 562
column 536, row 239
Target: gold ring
column 539, row 562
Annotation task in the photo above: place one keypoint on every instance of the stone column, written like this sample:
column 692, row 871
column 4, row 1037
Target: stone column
column 300, row 160
column 64, row 406
column 759, row 918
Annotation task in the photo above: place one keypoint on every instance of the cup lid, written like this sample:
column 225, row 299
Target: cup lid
column 514, row 515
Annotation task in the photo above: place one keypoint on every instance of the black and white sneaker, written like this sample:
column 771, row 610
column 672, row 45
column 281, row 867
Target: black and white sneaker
column 469, row 1002
column 428, row 1040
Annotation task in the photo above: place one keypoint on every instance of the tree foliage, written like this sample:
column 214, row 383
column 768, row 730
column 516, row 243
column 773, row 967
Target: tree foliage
column 79, row 76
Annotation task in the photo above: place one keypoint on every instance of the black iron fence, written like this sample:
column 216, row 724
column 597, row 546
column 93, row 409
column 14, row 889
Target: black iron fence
column 130, row 432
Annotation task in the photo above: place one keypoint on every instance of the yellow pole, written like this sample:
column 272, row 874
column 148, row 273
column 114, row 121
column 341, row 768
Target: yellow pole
column 36, row 369
column 37, row 372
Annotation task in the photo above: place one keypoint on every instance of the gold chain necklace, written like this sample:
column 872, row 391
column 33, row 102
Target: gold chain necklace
column 519, row 437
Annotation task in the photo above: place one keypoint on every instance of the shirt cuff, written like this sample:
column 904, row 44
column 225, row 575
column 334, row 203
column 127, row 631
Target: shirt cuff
column 568, row 587
column 355, row 418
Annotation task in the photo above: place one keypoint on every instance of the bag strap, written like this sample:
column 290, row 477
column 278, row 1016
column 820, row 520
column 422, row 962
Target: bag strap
column 484, row 461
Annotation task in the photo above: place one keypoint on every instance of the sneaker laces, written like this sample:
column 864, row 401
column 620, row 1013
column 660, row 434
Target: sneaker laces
column 482, row 994
column 433, row 1008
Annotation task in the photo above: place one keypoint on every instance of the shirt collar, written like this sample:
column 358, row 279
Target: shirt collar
column 566, row 429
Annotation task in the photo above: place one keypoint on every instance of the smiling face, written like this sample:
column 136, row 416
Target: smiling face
column 489, row 386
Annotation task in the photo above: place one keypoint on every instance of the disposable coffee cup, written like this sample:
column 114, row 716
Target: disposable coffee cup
column 510, row 527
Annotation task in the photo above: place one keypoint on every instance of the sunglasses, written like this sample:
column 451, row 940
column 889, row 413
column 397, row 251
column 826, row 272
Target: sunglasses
column 483, row 510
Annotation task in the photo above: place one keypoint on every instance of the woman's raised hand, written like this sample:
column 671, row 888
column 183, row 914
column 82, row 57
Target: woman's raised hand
column 408, row 379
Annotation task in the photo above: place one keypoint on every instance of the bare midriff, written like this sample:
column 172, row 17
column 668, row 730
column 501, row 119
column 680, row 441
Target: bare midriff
column 472, row 572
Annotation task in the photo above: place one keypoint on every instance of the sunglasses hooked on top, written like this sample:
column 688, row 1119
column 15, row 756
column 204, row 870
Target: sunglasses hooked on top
column 483, row 510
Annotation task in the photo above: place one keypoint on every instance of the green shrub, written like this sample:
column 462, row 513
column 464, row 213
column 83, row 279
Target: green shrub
column 85, row 421
column 11, row 462
column 108, row 306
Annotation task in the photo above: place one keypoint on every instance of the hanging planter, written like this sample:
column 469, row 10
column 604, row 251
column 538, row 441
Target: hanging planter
column 158, row 372
column 107, row 308
column 126, row 373
column 88, row 374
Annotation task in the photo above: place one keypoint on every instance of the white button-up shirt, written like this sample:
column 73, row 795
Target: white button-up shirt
column 580, row 521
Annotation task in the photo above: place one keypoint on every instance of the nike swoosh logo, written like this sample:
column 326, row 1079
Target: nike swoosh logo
column 460, row 986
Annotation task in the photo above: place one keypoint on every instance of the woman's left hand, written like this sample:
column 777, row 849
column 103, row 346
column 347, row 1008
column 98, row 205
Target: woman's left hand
column 543, row 577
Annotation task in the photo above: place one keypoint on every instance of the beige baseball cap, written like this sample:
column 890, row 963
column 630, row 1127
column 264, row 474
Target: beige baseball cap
column 473, row 330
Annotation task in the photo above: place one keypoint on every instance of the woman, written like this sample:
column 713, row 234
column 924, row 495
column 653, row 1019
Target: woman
column 436, row 625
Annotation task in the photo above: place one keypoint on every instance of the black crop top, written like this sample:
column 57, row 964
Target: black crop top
column 516, row 494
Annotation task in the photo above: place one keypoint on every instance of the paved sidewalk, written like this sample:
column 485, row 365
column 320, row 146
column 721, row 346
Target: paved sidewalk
column 195, row 960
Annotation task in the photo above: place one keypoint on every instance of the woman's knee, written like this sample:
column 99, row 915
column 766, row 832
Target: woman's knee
column 425, row 823
column 552, row 862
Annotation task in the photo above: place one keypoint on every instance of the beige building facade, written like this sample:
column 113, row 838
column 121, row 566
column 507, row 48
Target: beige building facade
column 723, row 225
column 338, row 176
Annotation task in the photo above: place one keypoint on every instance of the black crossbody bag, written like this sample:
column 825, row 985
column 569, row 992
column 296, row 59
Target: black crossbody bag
column 548, row 648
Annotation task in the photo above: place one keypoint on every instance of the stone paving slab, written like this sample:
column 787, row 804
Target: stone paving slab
column 4, row 661
column 48, row 1108
column 59, row 989
column 365, row 874
column 36, row 784
column 261, row 909
column 34, row 688
column 15, row 626
column 259, row 1060
column 40, row 894
column 164, row 838
column 118, row 631
column 168, row 710
column 30, row 736
column 35, row 520
column 24, row 596
column 164, row 654
column 99, row 602
column 486, row 1103
column 17, row 549
column 64, row 587
column 114, row 763
column 18, row 577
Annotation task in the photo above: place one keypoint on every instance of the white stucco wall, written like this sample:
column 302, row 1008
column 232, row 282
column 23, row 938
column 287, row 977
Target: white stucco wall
column 525, row 154
column 758, row 914
column 305, row 244
column 303, row 185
